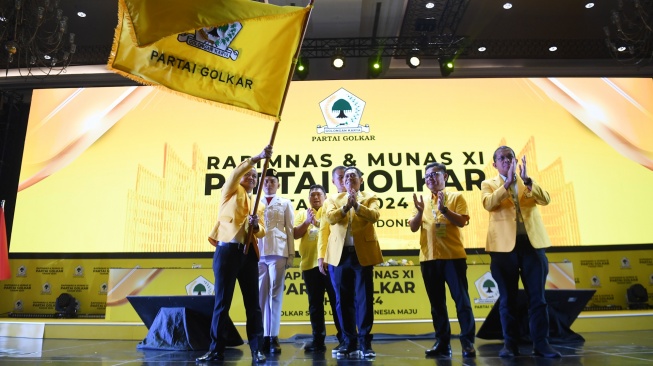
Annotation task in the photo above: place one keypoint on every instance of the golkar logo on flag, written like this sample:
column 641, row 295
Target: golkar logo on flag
column 215, row 40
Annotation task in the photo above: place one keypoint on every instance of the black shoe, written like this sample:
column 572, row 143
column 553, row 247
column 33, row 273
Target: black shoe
column 469, row 351
column 265, row 347
column 509, row 351
column 258, row 357
column 546, row 351
column 368, row 352
column 275, row 347
column 314, row 346
column 439, row 350
column 340, row 346
column 211, row 356
column 350, row 351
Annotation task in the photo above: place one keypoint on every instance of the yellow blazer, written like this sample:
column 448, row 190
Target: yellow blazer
column 502, row 230
column 234, row 209
column 325, row 229
column 362, row 229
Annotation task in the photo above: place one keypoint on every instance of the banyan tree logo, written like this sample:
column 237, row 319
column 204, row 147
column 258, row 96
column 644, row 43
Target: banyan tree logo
column 215, row 40
column 487, row 289
column 595, row 281
column 200, row 286
column 79, row 271
column 342, row 112
column 22, row 271
column 46, row 289
column 625, row 263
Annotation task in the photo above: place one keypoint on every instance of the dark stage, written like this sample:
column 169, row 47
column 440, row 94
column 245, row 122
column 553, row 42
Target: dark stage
column 600, row 348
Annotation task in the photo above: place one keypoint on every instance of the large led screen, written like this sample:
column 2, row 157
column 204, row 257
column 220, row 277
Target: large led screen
column 135, row 169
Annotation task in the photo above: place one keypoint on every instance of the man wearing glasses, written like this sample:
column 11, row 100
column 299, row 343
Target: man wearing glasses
column 516, row 242
column 351, row 253
column 443, row 259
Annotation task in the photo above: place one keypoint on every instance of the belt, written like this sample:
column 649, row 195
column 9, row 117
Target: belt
column 349, row 249
column 239, row 246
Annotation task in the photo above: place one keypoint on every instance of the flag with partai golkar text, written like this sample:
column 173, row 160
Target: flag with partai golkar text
column 238, row 53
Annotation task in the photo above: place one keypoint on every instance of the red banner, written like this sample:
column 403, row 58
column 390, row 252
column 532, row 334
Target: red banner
column 5, row 272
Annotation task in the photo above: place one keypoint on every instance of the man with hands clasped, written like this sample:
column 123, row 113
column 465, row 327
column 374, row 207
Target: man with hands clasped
column 351, row 253
column 307, row 224
column 443, row 259
column 516, row 242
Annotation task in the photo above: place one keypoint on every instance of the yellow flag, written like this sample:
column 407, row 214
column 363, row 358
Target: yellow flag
column 234, row 52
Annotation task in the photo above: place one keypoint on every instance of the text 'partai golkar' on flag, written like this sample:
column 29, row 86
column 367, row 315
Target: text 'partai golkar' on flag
column 238, row 53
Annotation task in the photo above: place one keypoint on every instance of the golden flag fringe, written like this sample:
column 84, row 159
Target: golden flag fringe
column 243, row 65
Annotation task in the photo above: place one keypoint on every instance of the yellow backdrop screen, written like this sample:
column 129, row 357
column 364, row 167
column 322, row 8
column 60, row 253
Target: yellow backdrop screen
column 133, row 169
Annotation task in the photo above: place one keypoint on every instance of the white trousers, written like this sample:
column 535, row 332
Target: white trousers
column 271, row 273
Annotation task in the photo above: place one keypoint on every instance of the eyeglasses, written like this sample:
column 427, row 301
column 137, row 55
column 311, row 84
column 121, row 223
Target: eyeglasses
column 506, row 157
column 432, row 175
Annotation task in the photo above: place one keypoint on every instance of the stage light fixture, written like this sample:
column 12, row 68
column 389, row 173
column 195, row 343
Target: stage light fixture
column 374, row 66
column 446, row 66
column 302, row 68
column 412, row 60
column 338, row 60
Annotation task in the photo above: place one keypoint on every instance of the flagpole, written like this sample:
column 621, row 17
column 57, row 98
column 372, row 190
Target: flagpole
column 250, row 232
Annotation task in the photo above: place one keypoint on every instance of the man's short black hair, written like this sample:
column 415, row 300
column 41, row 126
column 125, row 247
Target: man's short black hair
column 441, row 167
column 317, row 186
column 358, row 171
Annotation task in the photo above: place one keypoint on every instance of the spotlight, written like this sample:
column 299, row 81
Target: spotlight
column 338, row 60
column 446, row 66
column 302, row 68
column 413, row 61
column 374, row 66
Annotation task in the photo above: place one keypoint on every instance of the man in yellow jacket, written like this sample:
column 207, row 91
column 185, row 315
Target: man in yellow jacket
column 230, row 263
column 516, row 242
column 352, row 251
column 307, row 225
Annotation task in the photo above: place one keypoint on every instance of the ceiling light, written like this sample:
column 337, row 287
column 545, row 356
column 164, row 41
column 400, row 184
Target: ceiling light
column 589, row 5
column 507, row 6
column 430, row 5
column 374, row 66
column 413, row 61
column 81, row 14
column 621, row 49
column 35, row 37
column 482, row 49
column 553, row 48
column 446, row 66
column 302, row 68
column 338, row 60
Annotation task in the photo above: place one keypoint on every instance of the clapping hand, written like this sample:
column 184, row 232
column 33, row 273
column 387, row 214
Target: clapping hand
column 419, row 204
column 522, row 169
column 440, row 200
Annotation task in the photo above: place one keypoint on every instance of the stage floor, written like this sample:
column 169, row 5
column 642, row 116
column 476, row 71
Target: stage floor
column 600, row 348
